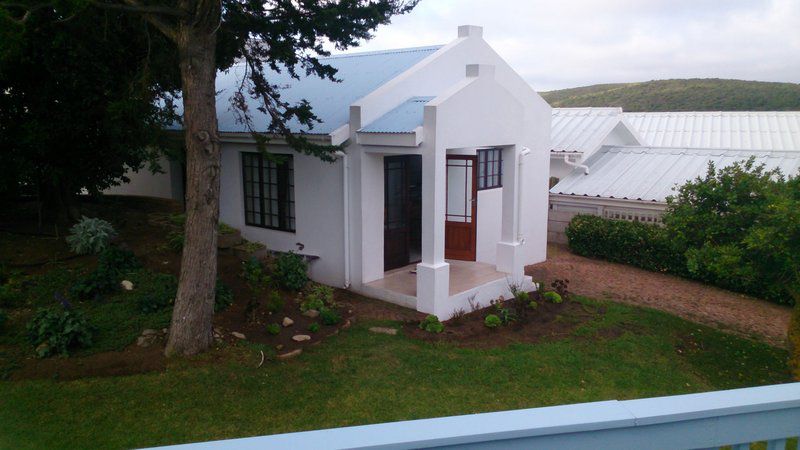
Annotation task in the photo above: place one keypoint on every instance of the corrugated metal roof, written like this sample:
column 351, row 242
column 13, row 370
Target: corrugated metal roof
column 403, row 119
column 360, row 74
column 582, row 129
column 759, row 130
column 650, row 174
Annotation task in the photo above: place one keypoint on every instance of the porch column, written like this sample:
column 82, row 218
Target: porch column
column 433, row 273
column 509, row 249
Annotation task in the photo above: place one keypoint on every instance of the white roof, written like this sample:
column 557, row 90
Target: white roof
column 757, row 130
column 651, row 174
column 582, row 129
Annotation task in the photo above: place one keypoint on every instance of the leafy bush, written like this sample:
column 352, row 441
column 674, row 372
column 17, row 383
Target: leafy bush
column 275, row 302
column 322, row 293
column 519, row 303
column 431, row 324
column 533, row 304
column 223, row 297
column 634, row 243
column 90, row 235
column 57, row 331
column 273, row 329
column 492, row 321
column 113, row 263
column 312, row 303
column 552, row 297
column 314, row 327
column 10, row 296
column 154, row 291
column 329, row 316
column 290, row 271
column 255, row 274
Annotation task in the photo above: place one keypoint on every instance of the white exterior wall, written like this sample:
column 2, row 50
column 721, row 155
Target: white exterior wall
column 489, row 222
column 319, row 206
column 167, row 184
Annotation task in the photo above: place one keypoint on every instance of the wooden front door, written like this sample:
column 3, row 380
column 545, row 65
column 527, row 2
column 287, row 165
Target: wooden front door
column 402, row 213
column 461, row 208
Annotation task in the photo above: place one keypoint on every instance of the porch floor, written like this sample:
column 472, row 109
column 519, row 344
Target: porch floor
column 464, row 275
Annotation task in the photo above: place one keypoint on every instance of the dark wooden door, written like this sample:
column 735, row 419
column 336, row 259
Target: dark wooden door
column 461, row 208
column 396, row 226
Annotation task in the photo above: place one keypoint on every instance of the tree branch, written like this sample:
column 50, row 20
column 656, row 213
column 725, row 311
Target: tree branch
column 136, row 7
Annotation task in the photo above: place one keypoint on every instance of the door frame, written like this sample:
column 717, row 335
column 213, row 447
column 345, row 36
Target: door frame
column 470, row 253
column 402, row 236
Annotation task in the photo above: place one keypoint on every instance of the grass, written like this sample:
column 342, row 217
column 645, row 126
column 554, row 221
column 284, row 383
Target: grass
column 359, row 377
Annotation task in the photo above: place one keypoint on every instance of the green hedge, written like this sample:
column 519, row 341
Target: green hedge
column 633, row 243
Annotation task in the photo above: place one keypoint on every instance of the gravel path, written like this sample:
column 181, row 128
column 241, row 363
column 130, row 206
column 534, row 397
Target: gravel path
column 688, row 299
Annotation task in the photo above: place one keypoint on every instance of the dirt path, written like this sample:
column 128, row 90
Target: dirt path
column 688, row 299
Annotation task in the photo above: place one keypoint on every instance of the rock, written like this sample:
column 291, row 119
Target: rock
column 301, row 337
column 384, row 330
column 287, row 322
column 127, row 285
column 144, row 341
column 290, row 354
column 279, row 347
column 237, row 335
column 149, row 332
column 347, row 324
column 164, row 330
column 313, row 313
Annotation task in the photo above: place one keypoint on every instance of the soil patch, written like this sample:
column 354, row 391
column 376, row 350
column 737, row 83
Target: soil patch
column 549, row 322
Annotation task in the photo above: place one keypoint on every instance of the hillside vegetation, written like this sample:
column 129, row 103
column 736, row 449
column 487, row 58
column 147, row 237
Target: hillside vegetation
column 695, row 94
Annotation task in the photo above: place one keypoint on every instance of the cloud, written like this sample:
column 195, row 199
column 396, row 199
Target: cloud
column 579, row 42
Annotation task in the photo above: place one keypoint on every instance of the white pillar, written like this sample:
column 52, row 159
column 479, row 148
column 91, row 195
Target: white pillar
column 509, row 249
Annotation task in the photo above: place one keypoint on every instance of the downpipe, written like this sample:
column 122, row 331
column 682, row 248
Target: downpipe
column 346, row 205
column 576, row 165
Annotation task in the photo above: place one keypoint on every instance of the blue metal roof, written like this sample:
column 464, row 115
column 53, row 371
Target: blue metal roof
column 402, row 119
column 360, row 74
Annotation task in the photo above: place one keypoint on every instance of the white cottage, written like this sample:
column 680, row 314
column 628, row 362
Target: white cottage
column 440, row 198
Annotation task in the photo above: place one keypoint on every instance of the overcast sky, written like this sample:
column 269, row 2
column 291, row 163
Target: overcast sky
column 566, row 43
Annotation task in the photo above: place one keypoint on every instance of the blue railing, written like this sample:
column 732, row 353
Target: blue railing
column 695, row 421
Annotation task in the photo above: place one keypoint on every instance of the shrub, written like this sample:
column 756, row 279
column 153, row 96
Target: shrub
column 113, row 263
column 223, row 297
column 431, row 324
column 10, row 296
column 90, row 235
column 519, row 303
column 533, row 304
column 311, row 303
column 562, row 287
column 255, row 274
column 322, row 293
column 552, row 297
column 154, row 291
column 273, row 329
column 290, row 270
column 175, row 240
column 314, row 327
column 329, row 316
column 492, row 321
column 224, row 228
column 57, row 331
column 275, row 302
column 634, row 243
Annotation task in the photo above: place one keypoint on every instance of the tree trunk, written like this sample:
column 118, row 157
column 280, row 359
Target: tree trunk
column 191, row 328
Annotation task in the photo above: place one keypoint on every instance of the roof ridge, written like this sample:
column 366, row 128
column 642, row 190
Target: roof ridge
column 383, row 52
column 645, row 148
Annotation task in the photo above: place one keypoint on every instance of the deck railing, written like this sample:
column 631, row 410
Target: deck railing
column 695, row 421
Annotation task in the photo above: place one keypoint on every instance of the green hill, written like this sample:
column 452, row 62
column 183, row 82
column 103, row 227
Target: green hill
column 708, row 94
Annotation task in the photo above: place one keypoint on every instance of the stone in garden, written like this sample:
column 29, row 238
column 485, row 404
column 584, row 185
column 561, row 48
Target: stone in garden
column 313, row 313
column 290, row 354
column 149, row 332
column 237, row 335
column 287, row 322
column 164, row 330
column 279, row 347
column 127, row 285
column 301, row 337
column 384, row 330
column 144, row 341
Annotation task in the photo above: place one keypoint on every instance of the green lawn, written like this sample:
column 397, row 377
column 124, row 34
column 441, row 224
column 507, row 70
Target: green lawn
column 359, row 377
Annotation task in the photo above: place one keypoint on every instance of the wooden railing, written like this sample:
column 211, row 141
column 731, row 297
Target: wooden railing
column 695, row 421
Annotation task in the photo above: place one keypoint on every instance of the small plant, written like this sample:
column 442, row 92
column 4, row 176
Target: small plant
column 314, row 327
column 311, row 303
column 473, row 305
column 329, row 316
column 533, row 304
column 224, row 228
column 223, row 297
column 506, row 314
column 492, row 321
column 273, row 329
column 175, row 240
column 113, row 263
column 275, row 302
column 57, row 331
column 290, row 270
column 177, row 219
column 255, row 274
column 458, row 316
column 155, row 291
column 552, row 297
column 561, row 286
column 90, row 236
column 322, row 293
column 431, row 324
column 519, row 303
